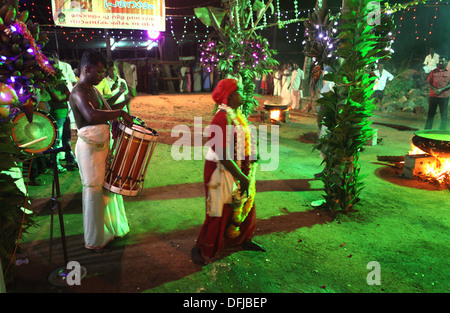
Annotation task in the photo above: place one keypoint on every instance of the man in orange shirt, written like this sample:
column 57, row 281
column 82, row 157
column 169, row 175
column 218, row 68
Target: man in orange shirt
column 439, row 82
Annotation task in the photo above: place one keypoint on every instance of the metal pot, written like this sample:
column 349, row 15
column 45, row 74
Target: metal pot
column 280, row 107
column 433, row 141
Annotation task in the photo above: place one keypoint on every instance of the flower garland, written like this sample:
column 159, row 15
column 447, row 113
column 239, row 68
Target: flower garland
column 41, row 59
column 242, row 204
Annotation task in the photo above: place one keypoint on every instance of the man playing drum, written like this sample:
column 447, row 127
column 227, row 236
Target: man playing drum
column 103, row 212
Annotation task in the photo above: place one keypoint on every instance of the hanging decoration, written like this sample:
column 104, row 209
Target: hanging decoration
column 322, row 36
column 23, row 66
column 209, row 56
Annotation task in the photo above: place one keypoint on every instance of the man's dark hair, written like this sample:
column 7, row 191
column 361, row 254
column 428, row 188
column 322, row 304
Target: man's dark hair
column 110, row 64
column 92, row 57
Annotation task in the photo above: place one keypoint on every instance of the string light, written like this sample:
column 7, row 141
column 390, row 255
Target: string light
column 191, row 23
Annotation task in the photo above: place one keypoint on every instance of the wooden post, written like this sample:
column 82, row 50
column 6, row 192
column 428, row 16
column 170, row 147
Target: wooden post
column 108, row 45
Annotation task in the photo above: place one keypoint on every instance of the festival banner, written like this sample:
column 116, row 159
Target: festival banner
column 110, row 14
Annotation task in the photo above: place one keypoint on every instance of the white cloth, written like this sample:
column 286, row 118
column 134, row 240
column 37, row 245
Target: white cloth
column 71, row 80
column 381, row 80
column 297, row 76
column 130, row 74
column 197, row 79
column 103, row 212
column 277, row 83
column 327, row 86
column 183, row 71
column 68, row 74
column 120, row 82
column 286, row 84
column 430, row 62
column 220, row 190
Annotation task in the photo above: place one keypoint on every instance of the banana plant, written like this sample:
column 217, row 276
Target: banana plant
column 235, row 42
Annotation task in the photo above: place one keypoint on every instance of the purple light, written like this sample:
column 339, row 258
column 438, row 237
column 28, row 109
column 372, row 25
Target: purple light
column 153, row 34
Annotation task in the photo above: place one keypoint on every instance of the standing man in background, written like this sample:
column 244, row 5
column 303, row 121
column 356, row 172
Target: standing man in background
column 431, row 61
column 380, row 83
column 296, row 82
column 439, row 82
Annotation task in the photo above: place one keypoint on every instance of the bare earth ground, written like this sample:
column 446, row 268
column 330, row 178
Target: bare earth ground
column 400, row 223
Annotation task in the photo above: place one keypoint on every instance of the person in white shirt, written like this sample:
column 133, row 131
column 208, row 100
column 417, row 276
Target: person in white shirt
column 285, row 92
column 431, row 61
column 67, row 71
column 296, row 82
column 70, row 80
column 113, row 88
column 380, row 83
column 117, row 85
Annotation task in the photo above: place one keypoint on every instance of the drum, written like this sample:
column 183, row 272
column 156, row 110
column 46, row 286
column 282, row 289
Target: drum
column 131, row 153
column 37, row 136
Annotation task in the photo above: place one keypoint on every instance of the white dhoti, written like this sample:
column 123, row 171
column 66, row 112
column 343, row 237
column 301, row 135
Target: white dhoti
column 295, row 94
column 103, row 211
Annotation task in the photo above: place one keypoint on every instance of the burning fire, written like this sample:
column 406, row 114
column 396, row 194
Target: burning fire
column 275, row 114
column 438, row 170
column 416, row 150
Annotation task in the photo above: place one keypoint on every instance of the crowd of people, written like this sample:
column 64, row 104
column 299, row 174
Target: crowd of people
column 285, row 81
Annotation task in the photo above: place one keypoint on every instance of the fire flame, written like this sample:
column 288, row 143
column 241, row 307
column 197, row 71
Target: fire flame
column 439, row 170
column 275, row 114
column 416, row 150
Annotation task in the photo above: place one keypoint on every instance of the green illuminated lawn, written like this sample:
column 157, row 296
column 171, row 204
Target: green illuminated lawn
column 401, row 224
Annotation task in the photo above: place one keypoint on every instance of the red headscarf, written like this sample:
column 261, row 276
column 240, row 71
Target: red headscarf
column 224, row 89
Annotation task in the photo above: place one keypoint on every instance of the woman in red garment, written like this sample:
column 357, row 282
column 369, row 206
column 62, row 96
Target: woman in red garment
column 230, row 218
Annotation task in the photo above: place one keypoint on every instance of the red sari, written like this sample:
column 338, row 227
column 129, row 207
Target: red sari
column 212, row 238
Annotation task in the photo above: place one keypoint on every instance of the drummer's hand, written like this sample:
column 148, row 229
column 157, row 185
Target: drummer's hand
column 122, row 87
column 128, row 97
column 128, row 120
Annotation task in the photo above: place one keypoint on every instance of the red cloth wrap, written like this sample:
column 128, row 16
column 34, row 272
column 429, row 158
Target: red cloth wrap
column 212, row 239
column 224, row 89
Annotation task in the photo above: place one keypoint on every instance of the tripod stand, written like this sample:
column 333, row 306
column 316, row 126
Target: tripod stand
column 58, row 276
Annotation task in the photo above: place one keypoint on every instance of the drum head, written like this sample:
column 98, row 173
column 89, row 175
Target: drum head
column 139, row 132
column 43, row 125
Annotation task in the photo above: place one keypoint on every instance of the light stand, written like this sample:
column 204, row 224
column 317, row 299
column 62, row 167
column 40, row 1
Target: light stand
column 58, row 276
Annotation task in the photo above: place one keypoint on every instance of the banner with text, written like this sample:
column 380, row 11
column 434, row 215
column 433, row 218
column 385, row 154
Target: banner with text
column 110, row 14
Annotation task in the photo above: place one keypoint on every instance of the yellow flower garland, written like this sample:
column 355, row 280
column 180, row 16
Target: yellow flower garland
column 242, row 204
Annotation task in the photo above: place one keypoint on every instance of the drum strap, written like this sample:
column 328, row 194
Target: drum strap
column 105, row 103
